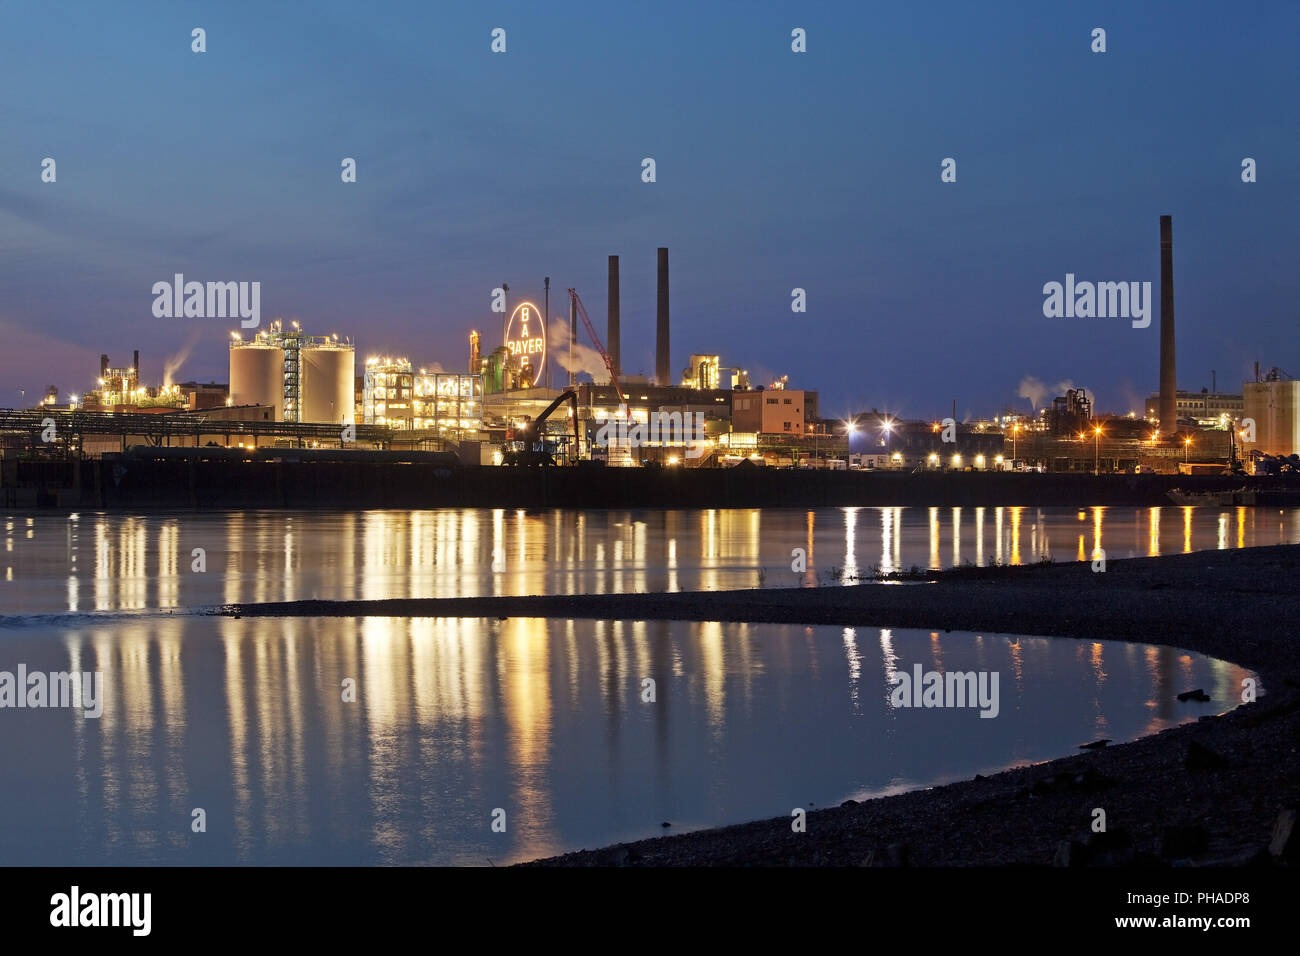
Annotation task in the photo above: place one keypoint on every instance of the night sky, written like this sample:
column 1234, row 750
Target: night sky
column 775, row 170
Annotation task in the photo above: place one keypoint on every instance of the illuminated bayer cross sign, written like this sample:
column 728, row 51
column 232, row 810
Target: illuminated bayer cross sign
column 526, row 343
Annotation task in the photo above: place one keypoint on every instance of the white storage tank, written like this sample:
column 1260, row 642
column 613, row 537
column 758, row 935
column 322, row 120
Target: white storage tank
column 328, row 393
column 257, row 376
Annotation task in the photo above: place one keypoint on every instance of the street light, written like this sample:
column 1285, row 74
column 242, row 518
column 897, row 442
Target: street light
column 1187, row 448
column 1015, row 430
column 1096, row 444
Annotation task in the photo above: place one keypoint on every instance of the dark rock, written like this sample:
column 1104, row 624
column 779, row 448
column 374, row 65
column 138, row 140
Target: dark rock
column 1123, row 856
column 1091, row 780
column 1200, row 757
column 898, row 854
column 1180, row 841
column 1096, row 744
column 1285, row 843
column 613, row 856
column 979, row 776
column 1116, row 838
column 1069, row 853
column 1197, row 694
column 849, row 803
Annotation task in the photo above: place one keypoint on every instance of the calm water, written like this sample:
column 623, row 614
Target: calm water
column 55, row 563
column 455, row 718
column 543, row 719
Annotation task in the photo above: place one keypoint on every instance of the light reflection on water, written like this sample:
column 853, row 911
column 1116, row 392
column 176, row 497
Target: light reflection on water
column 544, row 719
column 114, row 562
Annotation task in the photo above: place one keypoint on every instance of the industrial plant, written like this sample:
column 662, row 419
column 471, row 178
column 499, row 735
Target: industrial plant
column 290, row 389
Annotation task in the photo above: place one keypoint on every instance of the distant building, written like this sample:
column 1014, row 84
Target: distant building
column 198, row 395
column 779, row 411
column 1206, row 408
column 704, row 371
column 396, row 395
column 1274, row 405
column 387, row 391
column 882, row 441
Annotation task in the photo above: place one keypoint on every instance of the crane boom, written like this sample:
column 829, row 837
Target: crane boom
column 595, row 339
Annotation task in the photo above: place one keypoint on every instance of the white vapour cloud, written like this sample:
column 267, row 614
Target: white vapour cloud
column 585, row 358
column 1040, row 394
column 173, row 363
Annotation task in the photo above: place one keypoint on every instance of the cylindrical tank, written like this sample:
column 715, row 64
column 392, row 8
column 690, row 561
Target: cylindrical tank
column 257, row 376
column 328, row 384
column 494, row 379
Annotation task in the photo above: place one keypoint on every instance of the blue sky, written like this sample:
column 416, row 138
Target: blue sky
column 775, row 170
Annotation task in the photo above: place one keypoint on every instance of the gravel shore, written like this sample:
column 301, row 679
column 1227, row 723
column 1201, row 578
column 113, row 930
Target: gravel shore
column 1208, row 793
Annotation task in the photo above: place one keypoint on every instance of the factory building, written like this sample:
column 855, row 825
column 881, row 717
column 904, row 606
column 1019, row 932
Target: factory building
column 774, row 411
column 120, row 390
column 116, row 386
column 707, row 371
column 303, row 378
column 1206, row 408
column 446, row 405
column 387, row 392
column 877, row 441
column 1274, row 406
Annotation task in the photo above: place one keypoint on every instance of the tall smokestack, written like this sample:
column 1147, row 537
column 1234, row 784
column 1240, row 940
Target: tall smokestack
column 103, row 368
column 1168, row 373
column 611, row 328
column 662, row 364
column 573, row 335
column 135, row 361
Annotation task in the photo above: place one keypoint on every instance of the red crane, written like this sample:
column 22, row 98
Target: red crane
column 595, row 339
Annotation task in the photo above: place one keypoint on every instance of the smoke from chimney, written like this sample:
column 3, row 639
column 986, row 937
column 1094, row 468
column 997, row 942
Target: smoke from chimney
column 1040, row 393
column 663, row 375
column 573, row 356
column 173, row 362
